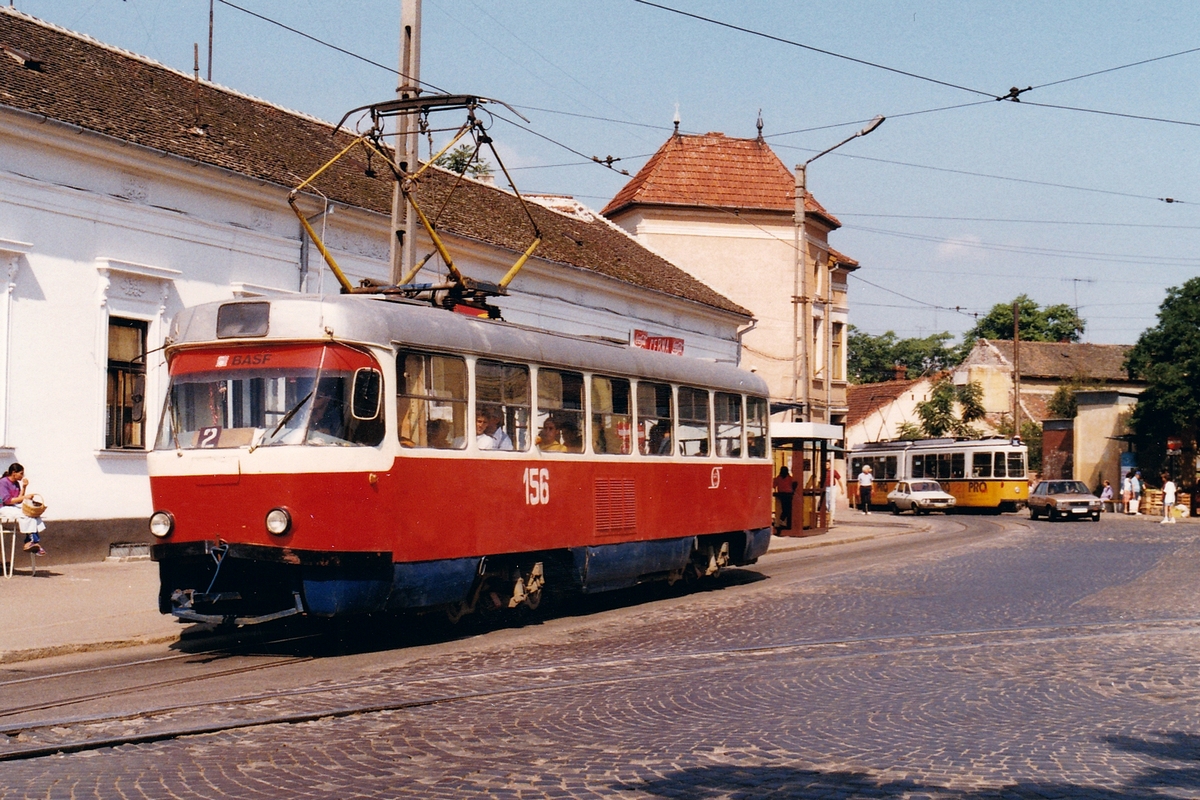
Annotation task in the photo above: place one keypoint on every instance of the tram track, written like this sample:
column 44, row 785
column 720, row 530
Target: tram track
column 539, row 678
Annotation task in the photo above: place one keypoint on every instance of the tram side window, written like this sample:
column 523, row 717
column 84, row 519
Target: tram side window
column 958, row 465
column 727, row 411
column 655, row 418
column 981, row 465
column 431, row 401
column 694, row 431
column 501, row 406
column 999, row 471
column 612, row 418
column 943, row 466
column 756, row 427
column 1016, row 465
column 560, row 411
column 886, row 467
column 918, row 467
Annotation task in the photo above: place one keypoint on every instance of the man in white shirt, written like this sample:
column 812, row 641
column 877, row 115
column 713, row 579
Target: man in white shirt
column 1168, row 499
column 864, row 488
column 489, row 432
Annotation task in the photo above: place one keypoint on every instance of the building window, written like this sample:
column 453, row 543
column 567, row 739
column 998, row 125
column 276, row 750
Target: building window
column 125, row 418
column 839, row 373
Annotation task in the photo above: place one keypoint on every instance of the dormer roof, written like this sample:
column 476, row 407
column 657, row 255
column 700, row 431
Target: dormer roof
column 715, row 171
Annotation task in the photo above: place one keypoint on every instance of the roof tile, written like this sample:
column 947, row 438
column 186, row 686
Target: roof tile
column 110, row 91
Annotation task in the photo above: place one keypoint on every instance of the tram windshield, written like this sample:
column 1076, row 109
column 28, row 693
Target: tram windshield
column 259, row 397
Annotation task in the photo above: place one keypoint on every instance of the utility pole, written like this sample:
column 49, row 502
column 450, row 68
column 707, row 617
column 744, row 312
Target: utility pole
column 210, row 31
column 1016, row 370
column 404, row 222
column 800, row 301
column 800, row 313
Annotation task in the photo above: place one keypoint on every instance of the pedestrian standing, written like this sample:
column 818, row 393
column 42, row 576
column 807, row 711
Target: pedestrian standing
column 1168, row 499
column 785, row 491
column 833, row 480
column 1137, row 487
column 1127, row 491
column 865, row 480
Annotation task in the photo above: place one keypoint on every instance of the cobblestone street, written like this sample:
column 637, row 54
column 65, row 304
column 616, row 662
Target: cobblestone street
column 1007, row 660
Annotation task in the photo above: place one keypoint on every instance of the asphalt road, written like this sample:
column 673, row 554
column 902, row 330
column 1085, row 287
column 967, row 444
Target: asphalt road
column 991, row 657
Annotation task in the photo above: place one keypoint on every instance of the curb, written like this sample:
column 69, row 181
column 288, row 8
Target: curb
column 36, row 653
column 784, row 544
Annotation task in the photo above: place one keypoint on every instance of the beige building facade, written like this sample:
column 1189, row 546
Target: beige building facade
column 724, row 209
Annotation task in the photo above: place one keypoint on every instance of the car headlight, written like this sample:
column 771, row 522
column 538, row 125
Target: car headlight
column 161, row 524
column 279, row 521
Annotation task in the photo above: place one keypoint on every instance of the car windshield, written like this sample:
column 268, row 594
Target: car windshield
column 267, row 396
column 926, row 486
column 1068, row 487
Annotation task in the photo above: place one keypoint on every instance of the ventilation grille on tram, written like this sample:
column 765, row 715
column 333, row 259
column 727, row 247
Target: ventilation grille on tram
column 616, row 506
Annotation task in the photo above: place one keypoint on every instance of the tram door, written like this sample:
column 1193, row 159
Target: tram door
column 806, row 460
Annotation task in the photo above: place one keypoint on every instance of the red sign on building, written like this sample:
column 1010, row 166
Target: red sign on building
column 661, row 344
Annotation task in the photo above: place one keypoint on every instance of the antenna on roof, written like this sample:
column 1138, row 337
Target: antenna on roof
column 759, row 125
column 676, row 120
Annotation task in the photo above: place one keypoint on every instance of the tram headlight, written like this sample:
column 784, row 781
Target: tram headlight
column 161, row 524
column 279, row 521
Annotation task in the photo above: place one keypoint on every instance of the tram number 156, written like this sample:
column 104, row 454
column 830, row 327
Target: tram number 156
column 537, row 486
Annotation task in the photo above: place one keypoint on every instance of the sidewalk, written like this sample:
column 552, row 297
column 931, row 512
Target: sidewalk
column 73, row 608
column 854, row 526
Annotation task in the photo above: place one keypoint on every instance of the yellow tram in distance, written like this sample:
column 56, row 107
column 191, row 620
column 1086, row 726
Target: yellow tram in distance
column 986, row 474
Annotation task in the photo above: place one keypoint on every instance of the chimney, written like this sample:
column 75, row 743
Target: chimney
column 899, row 372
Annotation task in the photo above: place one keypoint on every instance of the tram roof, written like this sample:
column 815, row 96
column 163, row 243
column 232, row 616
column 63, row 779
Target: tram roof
column 946, row 443
column 377, row 321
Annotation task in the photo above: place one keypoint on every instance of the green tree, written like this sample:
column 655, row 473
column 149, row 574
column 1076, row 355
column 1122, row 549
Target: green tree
column 1057, row 323
column 951, row 409
column 872, row 359
column 463, row 159
column 1167, row 357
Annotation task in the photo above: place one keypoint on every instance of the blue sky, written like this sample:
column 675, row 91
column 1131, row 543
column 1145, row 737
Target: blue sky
column 958, row 201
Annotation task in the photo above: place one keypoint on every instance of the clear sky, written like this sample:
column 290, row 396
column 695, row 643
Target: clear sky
column 958, row 201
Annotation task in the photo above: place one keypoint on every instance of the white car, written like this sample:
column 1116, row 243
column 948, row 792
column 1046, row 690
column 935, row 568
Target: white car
column 919, row 497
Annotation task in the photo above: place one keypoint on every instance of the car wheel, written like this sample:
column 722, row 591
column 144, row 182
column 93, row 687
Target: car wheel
column 1096, row 517
column 895, row 509
column 1033, row 513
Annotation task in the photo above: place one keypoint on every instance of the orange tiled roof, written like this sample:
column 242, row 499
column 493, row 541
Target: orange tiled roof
column 715, row 171
column 863, row 399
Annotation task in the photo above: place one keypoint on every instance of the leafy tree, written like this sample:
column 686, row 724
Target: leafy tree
column 909, row 431
column 872, row 359
column 938, row 413
column 1167, row 357
column 1058, row 323
column 462, row 159
column 1061, row 404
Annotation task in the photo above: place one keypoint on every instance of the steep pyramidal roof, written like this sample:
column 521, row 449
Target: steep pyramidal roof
column 76, row 80
column 715, row 171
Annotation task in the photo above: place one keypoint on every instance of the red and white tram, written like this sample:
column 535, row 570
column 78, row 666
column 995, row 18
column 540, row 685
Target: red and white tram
column 343, row 455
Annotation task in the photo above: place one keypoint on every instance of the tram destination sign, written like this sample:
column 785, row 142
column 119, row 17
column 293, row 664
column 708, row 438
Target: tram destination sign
column 661, row 344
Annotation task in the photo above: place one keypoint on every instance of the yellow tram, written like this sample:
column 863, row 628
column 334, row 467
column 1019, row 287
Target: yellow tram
column 985, row 474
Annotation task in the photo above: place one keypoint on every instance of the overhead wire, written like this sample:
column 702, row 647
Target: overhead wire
column 330, row 45
column 803, row 46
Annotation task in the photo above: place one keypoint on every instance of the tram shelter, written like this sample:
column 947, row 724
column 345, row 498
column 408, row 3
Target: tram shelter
column 805, row 448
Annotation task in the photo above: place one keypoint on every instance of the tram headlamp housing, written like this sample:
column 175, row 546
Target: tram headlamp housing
column 161, row 524
column 279, row 521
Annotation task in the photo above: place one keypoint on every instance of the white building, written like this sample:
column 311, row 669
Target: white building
column 129, row 190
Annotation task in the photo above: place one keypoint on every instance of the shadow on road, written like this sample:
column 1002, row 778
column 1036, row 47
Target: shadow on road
column 318, row 638
column 1178, row 752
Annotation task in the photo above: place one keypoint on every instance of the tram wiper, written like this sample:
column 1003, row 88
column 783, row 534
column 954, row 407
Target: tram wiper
column 286, row 417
